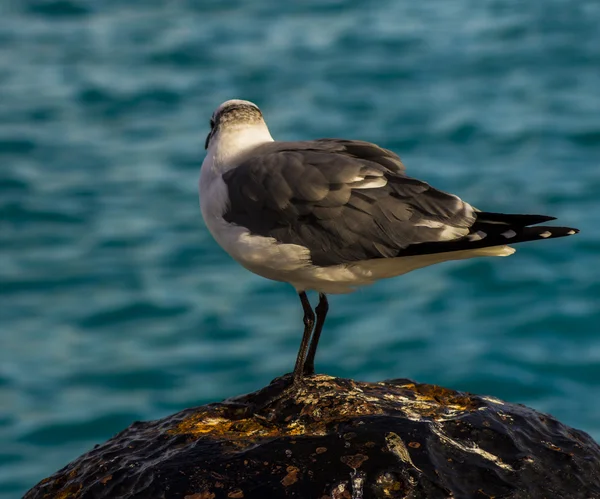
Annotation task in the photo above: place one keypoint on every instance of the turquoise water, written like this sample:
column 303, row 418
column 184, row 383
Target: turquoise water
column 115, row 303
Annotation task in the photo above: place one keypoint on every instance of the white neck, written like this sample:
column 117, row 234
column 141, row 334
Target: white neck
column 230, row 145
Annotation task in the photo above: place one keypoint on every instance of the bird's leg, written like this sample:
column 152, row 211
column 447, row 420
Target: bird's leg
column 304, row 363
column 309, row 322
column 322, row 309
column 298, row 374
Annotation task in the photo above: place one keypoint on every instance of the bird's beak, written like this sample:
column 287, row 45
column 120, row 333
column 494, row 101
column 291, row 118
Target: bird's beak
column 208, row 139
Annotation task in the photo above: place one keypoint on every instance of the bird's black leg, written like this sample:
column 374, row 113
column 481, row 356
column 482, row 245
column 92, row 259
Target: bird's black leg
column 309, row 322
column 322, row 309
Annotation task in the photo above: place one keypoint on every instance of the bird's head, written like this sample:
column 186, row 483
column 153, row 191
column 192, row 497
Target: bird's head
column 233, row 116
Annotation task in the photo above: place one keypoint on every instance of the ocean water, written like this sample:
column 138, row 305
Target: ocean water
column 116, row 304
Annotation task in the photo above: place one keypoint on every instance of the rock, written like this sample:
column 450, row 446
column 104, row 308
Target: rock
column 339, row 439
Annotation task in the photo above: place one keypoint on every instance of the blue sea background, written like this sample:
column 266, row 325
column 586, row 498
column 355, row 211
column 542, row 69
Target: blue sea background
column 116, row 304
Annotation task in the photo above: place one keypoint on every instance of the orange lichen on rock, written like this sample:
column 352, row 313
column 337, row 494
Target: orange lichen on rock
column 291, row 477
column 241, row 430
column 201, row 495
column 354, row 461
column 444, row 396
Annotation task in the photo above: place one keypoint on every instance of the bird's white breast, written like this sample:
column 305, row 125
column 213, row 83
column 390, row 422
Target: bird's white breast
column 261, row 255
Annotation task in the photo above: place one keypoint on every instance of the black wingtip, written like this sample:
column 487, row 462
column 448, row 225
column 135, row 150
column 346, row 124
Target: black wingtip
column 491, row 235
column 546, row 232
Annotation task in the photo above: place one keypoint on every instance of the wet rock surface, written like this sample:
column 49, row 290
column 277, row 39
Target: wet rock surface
column 337, row 438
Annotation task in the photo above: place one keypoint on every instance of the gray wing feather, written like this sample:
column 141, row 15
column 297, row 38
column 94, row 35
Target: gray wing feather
column 345, row 201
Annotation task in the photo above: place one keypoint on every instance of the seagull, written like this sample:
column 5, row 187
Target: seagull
column 330, row 215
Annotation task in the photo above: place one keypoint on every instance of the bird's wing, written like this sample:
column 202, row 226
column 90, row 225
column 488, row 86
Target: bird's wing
column 361, row 150
column 345, row 201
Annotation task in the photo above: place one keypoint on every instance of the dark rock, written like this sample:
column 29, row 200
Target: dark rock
column 337, row 438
